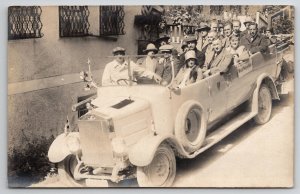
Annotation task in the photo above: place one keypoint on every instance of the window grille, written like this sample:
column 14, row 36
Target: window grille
column 237, row 9
column 216, row 9
column 111, row 20
column 24, row 22
column 73, row 21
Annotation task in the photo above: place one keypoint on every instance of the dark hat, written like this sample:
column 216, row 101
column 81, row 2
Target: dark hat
column 203, row 27
column 166, row 47
column 150, row 47
column 118, row 49
column 163, row 37
column 184, row 44
column 190, row 39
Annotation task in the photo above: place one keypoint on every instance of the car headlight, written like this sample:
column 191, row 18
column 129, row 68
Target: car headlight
column 73, row 144
column 118, row 146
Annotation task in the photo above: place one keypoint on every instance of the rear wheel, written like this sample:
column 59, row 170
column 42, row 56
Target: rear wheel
column 161, row 171
column 264, row 105
column 66, row 170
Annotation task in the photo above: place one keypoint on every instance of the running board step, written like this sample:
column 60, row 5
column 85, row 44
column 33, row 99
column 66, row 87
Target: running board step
column 224, row 131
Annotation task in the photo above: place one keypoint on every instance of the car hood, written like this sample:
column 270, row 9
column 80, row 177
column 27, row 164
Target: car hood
column 119, row 101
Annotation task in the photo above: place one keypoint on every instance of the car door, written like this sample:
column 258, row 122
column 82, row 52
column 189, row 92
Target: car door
column 218, row 89
column 240, row 84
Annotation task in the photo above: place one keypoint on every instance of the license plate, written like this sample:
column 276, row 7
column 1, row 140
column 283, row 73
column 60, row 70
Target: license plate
column 96, row 183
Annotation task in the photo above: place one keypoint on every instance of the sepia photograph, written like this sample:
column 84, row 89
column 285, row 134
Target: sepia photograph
column 176, row 96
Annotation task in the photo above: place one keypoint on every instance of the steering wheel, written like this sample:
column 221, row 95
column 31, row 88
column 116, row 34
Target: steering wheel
column 126, row 81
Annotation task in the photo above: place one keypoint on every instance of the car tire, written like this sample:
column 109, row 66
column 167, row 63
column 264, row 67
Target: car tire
column 161, row 171
column 264, row 105
column 190, row 126
column 66, row 170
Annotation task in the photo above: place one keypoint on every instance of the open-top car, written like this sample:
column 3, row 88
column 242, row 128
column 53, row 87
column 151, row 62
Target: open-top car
column 138, row 130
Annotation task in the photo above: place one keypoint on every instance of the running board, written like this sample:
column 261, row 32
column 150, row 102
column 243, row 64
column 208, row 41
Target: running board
column 224, row 131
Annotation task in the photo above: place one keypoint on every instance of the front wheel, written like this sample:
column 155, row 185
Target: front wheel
column 264, row 105
column 66, row 170
column 161, row 171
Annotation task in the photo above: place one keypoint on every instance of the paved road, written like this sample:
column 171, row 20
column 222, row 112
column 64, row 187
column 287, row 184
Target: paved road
column 252, row 156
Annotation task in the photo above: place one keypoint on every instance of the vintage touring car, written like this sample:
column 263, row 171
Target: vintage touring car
column 138, row 131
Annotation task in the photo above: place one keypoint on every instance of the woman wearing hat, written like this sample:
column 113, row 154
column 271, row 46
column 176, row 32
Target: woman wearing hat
column 149, row 62
column 190, row 72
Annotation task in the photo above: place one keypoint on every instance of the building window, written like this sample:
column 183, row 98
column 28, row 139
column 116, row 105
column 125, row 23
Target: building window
column 216, row 9
column 236, row 9
column 24, row 22
column 73, row 21
column 111, row 20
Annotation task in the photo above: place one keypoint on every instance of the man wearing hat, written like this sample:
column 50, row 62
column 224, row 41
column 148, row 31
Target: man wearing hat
column 269, row 34
column 254, row 41
column 162, row 40
column 247, row 22
column 116, row 72
column 201, row 33
column 192, row 42
column 149, row 62
column 164, row 67
column 190, row 72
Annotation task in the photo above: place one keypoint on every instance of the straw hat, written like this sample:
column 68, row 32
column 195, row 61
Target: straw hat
column 150, row 47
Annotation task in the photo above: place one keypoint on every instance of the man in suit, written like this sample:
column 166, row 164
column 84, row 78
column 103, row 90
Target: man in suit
column 254, row 41
column 164, row 67
column 247, row 22
column 221, row 61
column 236, row 24
column 209, row 51
column 201, row 33
column 227, row 32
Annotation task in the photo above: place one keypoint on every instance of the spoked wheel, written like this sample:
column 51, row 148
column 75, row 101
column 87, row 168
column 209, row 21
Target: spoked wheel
column 66, row 170
column 264, row 105
column 161, row 171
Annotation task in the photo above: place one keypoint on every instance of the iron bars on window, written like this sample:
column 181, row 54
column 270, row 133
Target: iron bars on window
column 24, row 22
column 73, row 21
column 111, row 20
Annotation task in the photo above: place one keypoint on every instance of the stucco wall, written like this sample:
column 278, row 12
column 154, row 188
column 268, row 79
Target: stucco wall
column 34, row 114
column 51, row 55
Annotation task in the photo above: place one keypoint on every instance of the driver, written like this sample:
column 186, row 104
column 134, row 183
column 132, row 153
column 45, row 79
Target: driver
column 116, row 72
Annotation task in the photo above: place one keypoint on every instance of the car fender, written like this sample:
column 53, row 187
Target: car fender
column 142, row 153
column 263, row 79
column 59, row 150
